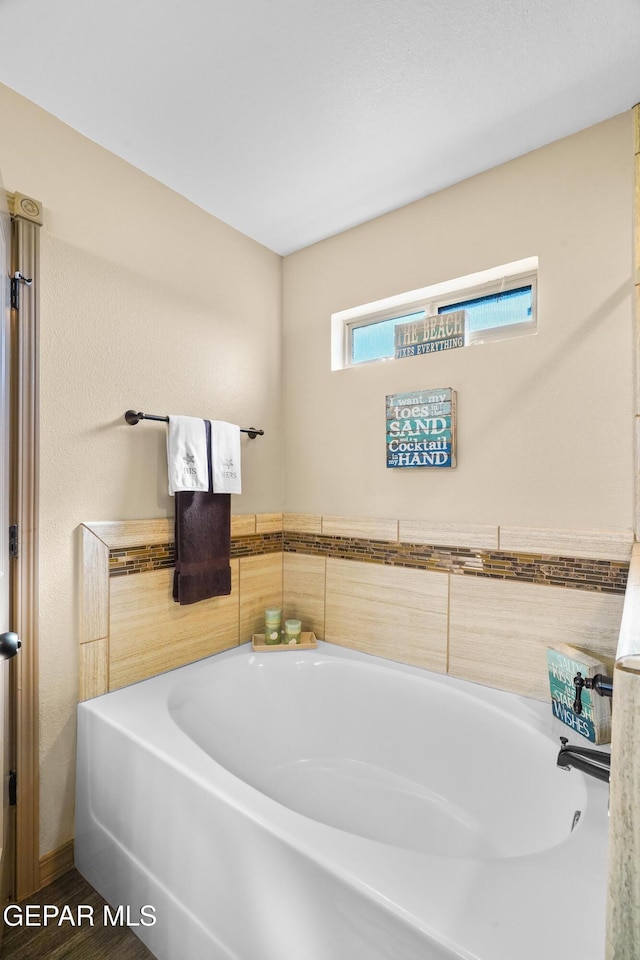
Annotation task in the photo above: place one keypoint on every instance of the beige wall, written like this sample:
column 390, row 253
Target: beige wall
column 147, row 302
column 544, row 422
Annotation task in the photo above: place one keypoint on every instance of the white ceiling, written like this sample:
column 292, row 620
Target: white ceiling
column 292, row 120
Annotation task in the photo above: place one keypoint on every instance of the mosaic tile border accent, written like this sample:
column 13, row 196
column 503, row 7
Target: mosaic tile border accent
column 605, row 576
column 257, row 544
column 143, row 558
column 578, row 573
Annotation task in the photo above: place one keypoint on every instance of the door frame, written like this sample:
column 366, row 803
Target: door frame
column 26, row 221
column 7, row 826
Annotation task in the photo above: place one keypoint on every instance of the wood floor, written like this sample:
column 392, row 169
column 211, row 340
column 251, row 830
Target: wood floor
column 68, row 942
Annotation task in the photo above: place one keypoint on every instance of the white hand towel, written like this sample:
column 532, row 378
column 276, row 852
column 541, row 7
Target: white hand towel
column 225, row 457
column 187, row 454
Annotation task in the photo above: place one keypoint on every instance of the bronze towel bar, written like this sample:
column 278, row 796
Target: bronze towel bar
column 132, row 418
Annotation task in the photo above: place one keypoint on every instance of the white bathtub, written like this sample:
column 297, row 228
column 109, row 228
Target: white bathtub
column 328, row 805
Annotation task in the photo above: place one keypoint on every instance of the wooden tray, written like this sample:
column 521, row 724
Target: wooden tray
column 307, row 642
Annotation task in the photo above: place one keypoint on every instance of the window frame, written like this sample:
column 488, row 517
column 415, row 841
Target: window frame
column 455, row 294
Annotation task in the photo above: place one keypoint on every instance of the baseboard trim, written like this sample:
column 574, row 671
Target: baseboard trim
column 56, row 863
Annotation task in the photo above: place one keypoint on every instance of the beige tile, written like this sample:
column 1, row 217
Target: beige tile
column 243, row 524
column 597, row 544
column 392, row 612
column 260, row 587
column 268, row 522
column 499, row 631
column 94, row 587
column 636, row 427
column 475, row 536
column 150, row 633
column 303, row 590
column 118, row 534
column 366, row 527
column 94, row 669
column 623, row 916
column 637, row 321
column 302, row 523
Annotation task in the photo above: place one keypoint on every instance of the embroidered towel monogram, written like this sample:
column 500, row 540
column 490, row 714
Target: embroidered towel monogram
column 225, row 457
column 187, row 454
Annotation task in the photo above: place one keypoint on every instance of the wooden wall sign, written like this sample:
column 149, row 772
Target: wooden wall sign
column 445, row 331
column 421, row 428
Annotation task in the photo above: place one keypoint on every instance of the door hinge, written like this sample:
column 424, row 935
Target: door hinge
column 13, row 540
column 13, row 788
column 16, row 280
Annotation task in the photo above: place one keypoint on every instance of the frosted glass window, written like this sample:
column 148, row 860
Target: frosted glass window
column 375, row 341
column 495, row 310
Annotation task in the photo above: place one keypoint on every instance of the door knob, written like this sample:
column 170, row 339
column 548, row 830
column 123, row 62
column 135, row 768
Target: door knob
column 9, row 645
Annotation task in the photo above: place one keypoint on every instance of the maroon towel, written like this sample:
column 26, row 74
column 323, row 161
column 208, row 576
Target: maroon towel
column 202, row 542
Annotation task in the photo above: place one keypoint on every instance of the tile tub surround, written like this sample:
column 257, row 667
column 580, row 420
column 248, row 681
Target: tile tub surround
column 130, row 627
column 589, row 560
column 128, row 560
column 451, row 598
column 580, row 573
column 446, row 596
column 623, row 908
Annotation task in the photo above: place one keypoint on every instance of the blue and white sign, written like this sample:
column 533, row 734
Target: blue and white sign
column 421, row 428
